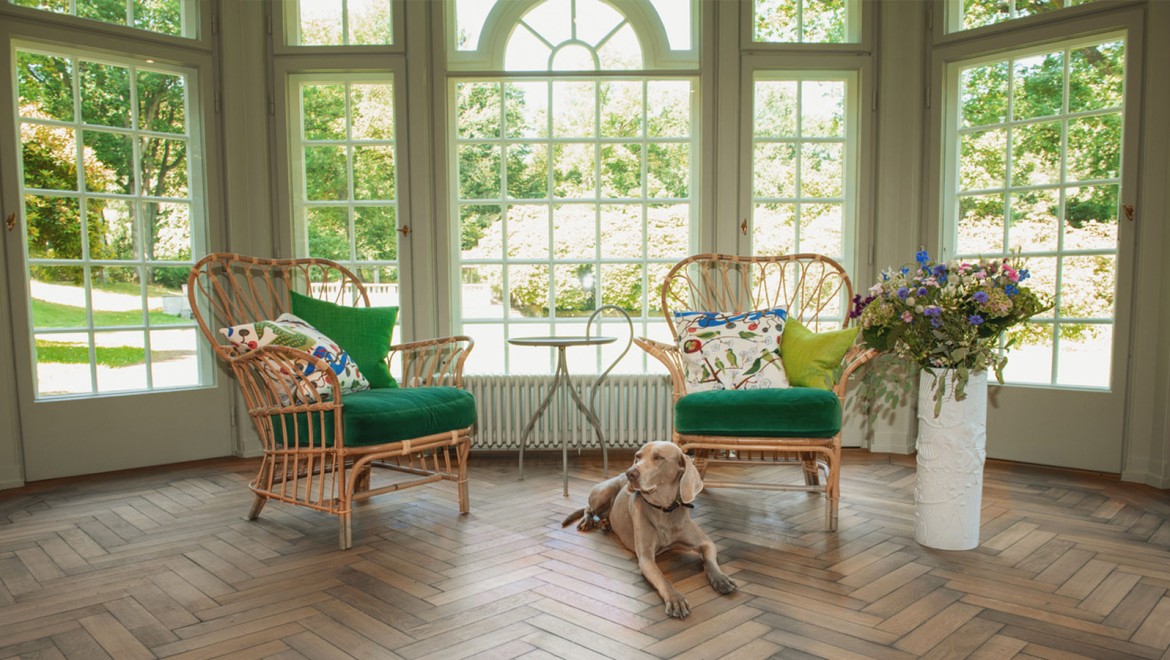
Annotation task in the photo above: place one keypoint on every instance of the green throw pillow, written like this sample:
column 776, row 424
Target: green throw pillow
column 366, row 333
column 811, row 359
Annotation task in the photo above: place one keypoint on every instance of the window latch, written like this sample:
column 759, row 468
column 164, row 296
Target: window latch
column 1127, row 208
column 11, row 221
column 743, row 227
column 404, row 230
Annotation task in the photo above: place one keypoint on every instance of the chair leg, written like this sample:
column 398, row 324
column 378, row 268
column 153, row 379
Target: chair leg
column 461, row 453
column 363, row 480
column 831, row 514
column 811, row 473
column 345, row 531
column 258, row 503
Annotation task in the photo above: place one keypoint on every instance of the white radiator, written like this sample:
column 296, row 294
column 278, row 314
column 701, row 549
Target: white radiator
column 633, row 409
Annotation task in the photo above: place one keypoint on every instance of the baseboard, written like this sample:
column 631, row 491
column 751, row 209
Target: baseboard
column 891, row 442
column 1158, row 475
column 11, row 476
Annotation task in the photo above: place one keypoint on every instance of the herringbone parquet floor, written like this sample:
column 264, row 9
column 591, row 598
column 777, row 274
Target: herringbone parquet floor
column 159, row 563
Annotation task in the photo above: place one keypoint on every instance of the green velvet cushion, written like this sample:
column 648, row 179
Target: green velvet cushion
column 366, row 333
column 373, row 417
column 812, row 359
column 794, row 412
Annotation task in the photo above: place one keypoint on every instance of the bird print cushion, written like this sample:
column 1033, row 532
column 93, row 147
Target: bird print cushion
column 292, row 331
column 728, row 351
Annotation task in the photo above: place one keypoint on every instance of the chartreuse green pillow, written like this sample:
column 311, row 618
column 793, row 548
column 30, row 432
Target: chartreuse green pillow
column 366, row 333
column 811, row 359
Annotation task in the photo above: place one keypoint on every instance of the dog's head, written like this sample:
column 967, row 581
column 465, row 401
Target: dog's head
column 664, row 474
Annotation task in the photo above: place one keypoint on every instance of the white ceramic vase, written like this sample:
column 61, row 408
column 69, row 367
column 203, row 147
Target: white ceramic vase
column 948, row 488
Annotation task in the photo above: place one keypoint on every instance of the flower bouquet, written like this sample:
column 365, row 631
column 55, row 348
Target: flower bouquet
column 946, row 316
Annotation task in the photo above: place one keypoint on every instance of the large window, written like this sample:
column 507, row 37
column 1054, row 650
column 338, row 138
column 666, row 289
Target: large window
column 1036, row 169
column 346, row 175
column 804, row 177
column 113, row 220
column 574, row 190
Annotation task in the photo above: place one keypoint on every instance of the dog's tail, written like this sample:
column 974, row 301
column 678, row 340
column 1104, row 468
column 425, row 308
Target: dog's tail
column 573, row 517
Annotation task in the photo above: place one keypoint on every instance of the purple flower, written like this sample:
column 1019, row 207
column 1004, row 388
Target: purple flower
column 922, row 291
column 933, row 311
column 980, row 297
column 903, row 293
column 975, row 319
column 935, row 322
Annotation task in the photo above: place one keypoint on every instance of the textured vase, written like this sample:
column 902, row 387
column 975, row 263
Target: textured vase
column 948, row 488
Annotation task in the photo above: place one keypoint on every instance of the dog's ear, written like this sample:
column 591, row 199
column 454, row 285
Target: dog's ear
column 691, row 483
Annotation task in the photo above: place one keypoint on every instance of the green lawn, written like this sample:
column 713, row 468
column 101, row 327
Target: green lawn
column 109, row 356
column 55, row 315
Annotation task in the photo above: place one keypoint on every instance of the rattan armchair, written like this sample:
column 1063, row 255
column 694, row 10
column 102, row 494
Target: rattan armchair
column 310, row 457
column 816, row 291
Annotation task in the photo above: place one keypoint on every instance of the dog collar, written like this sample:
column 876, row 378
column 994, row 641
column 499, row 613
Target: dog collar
column 666, row 509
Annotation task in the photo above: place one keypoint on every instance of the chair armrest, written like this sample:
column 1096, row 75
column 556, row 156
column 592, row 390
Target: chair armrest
column 669, row 356
column 269, row 391
column 854, row 359
column 431, row 362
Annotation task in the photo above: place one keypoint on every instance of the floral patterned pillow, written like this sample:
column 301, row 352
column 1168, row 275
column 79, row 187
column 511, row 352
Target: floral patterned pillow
column 725, row 351
column 292, row 331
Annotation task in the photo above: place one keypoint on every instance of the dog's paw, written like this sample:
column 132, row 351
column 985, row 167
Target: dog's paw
column 677, row 606
column 589, row 522
column 722, row 583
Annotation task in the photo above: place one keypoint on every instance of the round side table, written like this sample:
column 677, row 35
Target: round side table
column 562, row 376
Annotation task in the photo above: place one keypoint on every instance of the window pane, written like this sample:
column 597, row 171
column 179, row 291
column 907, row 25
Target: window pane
column 112, row 222
column 328, row 233
column 376, row 233
column 803, row 21
column 669, row 104
column 105, row 95
column 54, row 226
column 325, row 173
column 161, row 102
column 373, row 111
column 45, row 86
column 369, row 22
column 323, row 112
column 374, row 173
column 322, row 22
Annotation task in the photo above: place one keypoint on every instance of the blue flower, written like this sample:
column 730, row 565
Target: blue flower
column 922, row 291
column 905, row 270
column 1011, row 290
column 922, row 256
column 940, row 270
column 975, row 319
column 980, row 297
column 1024, row 274
column 932, row 310
column 903, row 293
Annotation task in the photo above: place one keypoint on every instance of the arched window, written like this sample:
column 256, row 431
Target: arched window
column 574, row 166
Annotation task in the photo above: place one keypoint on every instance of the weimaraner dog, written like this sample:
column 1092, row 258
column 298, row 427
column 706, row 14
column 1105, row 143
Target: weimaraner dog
column 648, row 508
